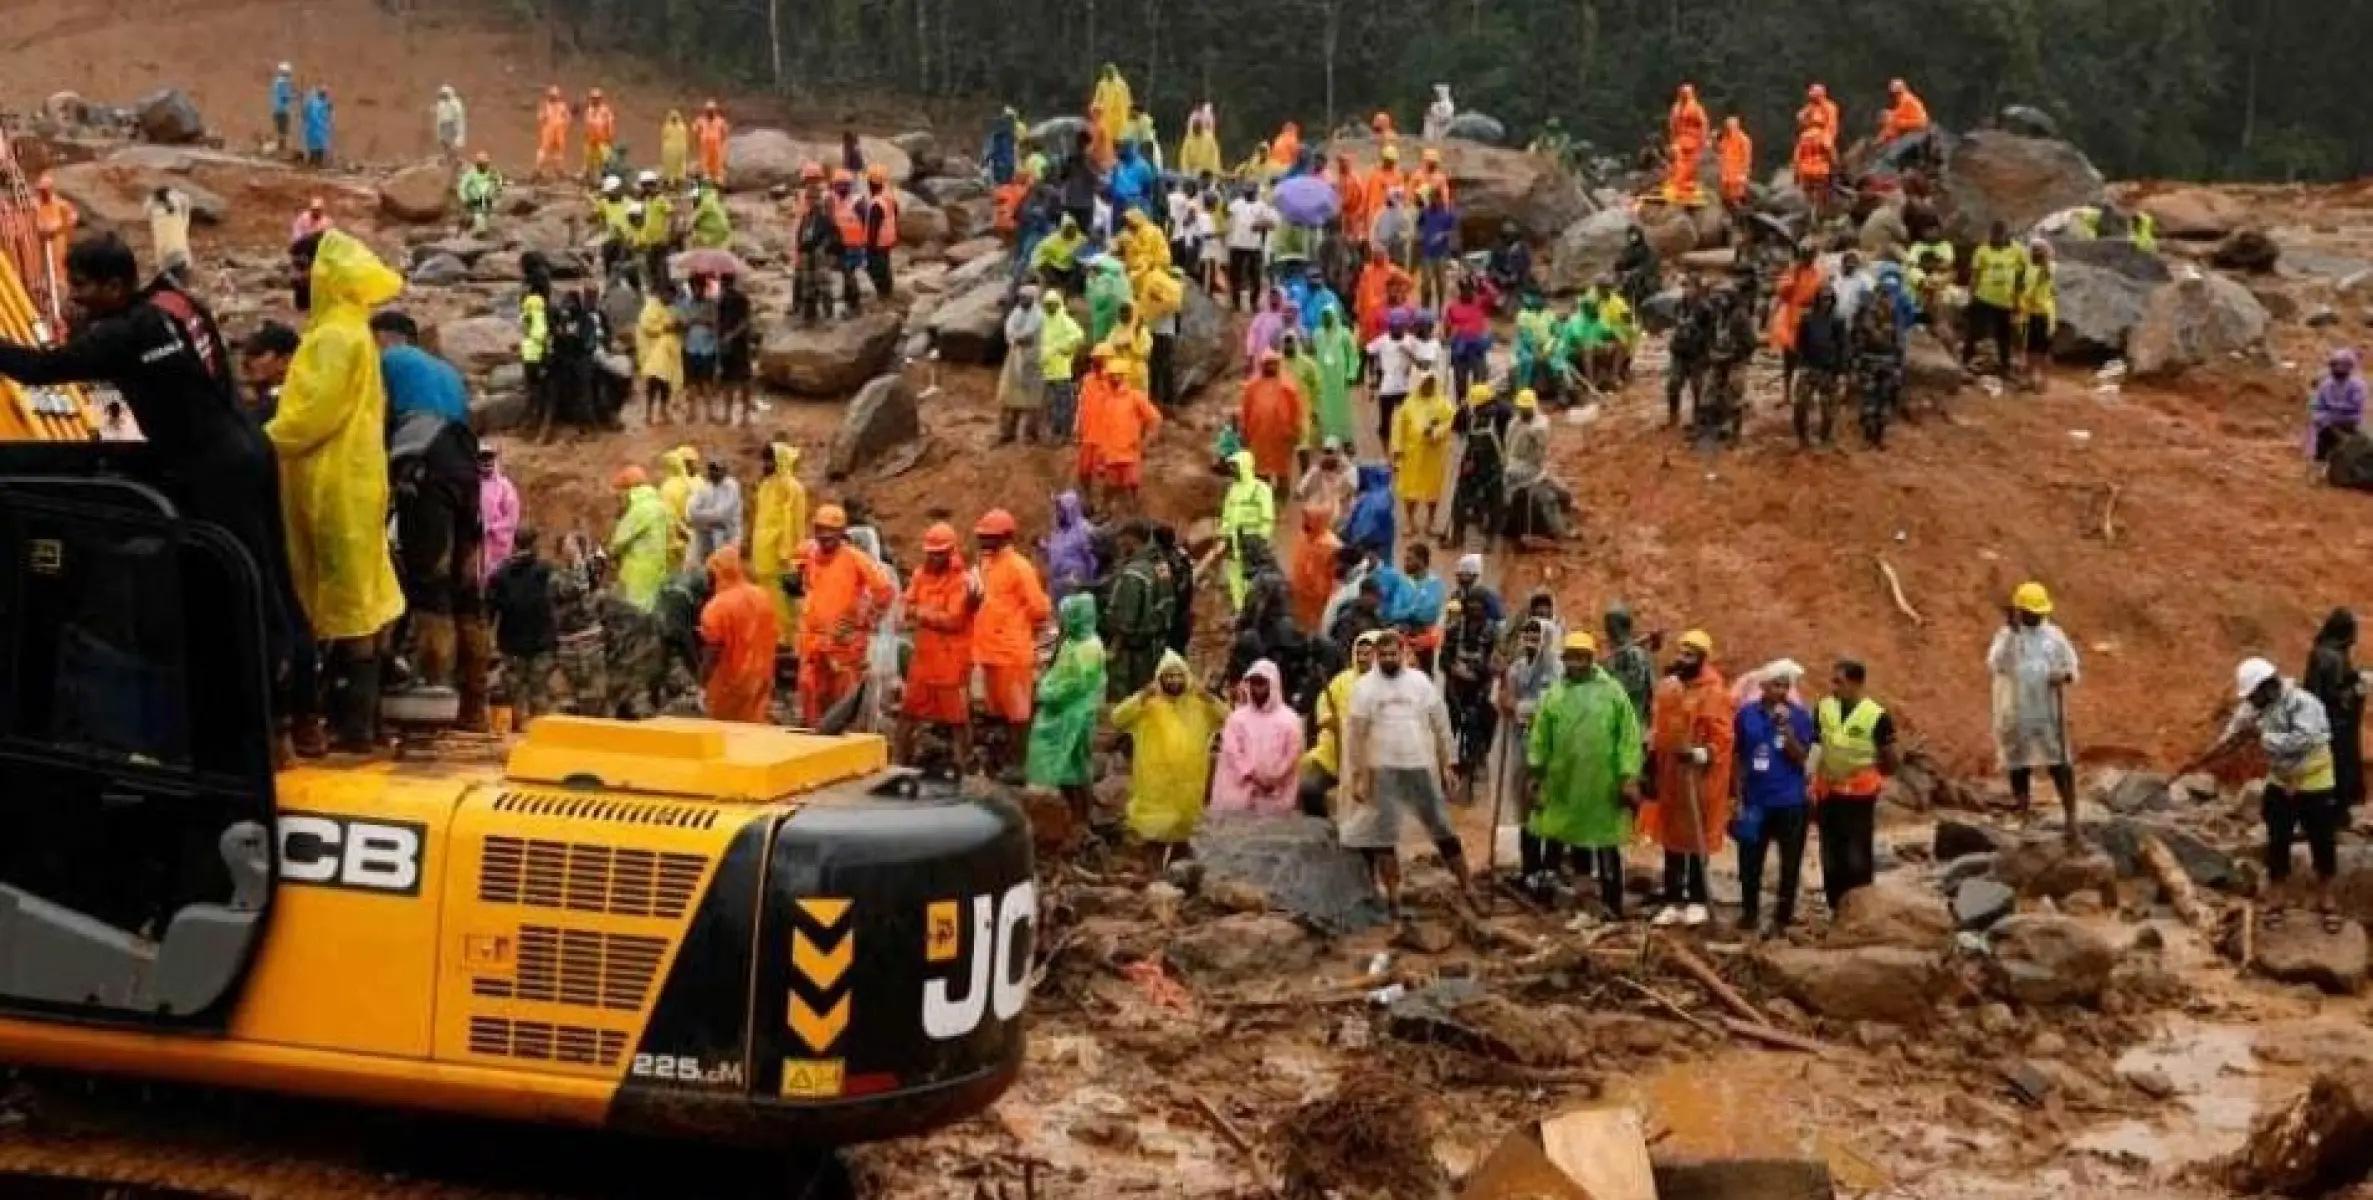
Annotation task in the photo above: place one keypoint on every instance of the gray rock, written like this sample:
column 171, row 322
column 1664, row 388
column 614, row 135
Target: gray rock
column 2130, row 792
column 475, row 344
column 1978, row 904
column 832, row 359
column 1930, row 368
column 2322, row 317
column 1495, row 187
column 1888, row 913
column 467, row 249
column 1204, row 348
column 440, row 270
column 169, row 117
column 419, row 194
column 759, row 159
column 1869, row 983
column 2300, row 951
column 919, row 223
column 1994, row 175
column 502, row 266
column 1967, row 867
column 882, row 418
column 969, row 324
column 2207, row 866
column 1476, row 127
column 998, row 266
column 1243, row 946
column 945, row 190
column 2027, row 121
column 2039, row 959
column 2046, row 867
column 1300, row 865
column 2195, row 212
column 921, row 149
column 1057, row 135
column 1884, row 230
column 1587, row 249
column 973, row 250
column 1960, row 839
column 2099, row 309
column 2193, row 321
column 972, row 218
column 2246, row 250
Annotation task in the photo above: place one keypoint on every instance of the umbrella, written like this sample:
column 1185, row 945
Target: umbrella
column 707, row 262
column 1306, row 200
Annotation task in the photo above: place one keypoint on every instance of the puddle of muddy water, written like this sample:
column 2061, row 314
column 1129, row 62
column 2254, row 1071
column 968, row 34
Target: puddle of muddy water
column 2218, row 1088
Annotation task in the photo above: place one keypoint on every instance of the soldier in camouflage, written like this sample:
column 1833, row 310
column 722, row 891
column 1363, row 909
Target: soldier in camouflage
column 576, row 595
column 1143, row 610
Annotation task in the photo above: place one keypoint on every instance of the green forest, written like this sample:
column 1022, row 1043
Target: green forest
column 2256, row 89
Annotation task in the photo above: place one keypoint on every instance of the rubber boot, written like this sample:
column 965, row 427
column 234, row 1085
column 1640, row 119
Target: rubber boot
column 354, row 698
column 308, row 737
column 433, row 649
column 473, row 667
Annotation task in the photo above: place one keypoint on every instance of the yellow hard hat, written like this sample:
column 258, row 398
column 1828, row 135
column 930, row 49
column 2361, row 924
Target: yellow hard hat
column 1527, row 400
column 1698, row 640
column 1580, row 639
column 2031, row 598
column 1479, row 395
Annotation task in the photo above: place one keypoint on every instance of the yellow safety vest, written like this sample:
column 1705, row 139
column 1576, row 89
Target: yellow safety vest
column 1850, row 747
column 1994, row 275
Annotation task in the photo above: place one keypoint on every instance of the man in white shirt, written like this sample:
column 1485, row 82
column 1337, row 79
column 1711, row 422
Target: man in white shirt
column 1178, row 224
column 1852, row 286
column 1397, row 757
column 1249, row 222
column 1395, row 368
column 1426, row 357
column 169, row 232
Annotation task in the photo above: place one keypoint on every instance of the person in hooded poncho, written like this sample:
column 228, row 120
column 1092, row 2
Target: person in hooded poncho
column 1421, row 434
column 1339, row 366
column 1314, row 570
column 1112, row 103
column 1021, row 384
column 1260, row 750
column 1585, row 758
column 1267, row 326
column 679, row 478
column 639, row 541
column 2033, row 665
column 1270, row 416
column 737, row 628
column 1692, row 733
column 1249, row 510
column 1369, row 526
column 712, row 226
column 1171, row 724
column 675, row 149
column 2337, row 407
column 1062, row 730
column 1108, row 292
column 1303, row 369
column 1069, row 549
column 778, row 525
column 1198, row 152
column 2332, row 678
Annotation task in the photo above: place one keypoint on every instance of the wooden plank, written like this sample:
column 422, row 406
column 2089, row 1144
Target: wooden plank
column 1605, row 1150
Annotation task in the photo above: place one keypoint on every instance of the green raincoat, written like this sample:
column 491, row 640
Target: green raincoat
column 712, row 227
column 1338, row 352
column 639, row 545
column 1249, row 509
column 1170, row 755
column 1108, row 290
column 1585, row 743
column 1063, row 732
column 1305, row 371
column 1536, row 341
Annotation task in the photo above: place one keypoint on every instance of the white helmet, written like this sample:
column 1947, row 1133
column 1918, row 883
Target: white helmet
column 647, row 177
column 286, row 69
column 2251, row 675
column 635, row 209
column 611, row 183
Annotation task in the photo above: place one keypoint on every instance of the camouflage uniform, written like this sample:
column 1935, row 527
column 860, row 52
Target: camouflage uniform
column 637, row 658
column 1143, row 601
column 681, row 599
column 527, row 679
column 576, row 615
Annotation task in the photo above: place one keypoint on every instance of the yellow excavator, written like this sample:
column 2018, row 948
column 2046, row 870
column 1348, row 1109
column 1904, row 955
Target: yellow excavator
column 727, row 932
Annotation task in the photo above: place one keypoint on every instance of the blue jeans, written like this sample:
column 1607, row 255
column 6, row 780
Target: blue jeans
column 1062, row 408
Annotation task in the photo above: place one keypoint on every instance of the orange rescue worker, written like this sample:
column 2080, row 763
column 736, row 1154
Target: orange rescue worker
column 1799, row 285
column 1115, row 419
column 1101, row 149
column 1352, row 187
column 1287, row 149
column 939, row 603
column 1011, row 606
column 844, row 592
column 708, row 136
column 1431, row 178
column 1005, row 220
column 552, row 134
column 737, row 630
column 54, row 220
column 1691, row 739
column 1372, row 298
column 1905, row 116
column 1815, row 165
column 1819, row 112
column 601, row 133
column 1737, row 152
column 1686, row 128
column 1381, row 184
column 1270, row 418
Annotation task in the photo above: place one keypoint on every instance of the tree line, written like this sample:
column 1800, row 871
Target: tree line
column 2243, row 89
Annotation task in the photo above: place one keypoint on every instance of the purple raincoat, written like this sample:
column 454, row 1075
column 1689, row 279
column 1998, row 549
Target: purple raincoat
column 2339, row 400
column 1070, row 550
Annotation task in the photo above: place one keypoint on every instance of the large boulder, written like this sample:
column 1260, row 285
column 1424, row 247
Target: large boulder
column 921, row 149
column 1868, row 983
column 169, row 117
column 1496, row 187
column 1930, row 367
column 2049, row 868
column 1980, row 904
column 2099, row 308
column 440, row 270
column 882, row 418
column 1891, row 914
column 2300, row 950
column 2247, row 250
column 1960, row 839
column 2195, row 212
column 1299, row 864
column 1995, row 175
column 1244, row 946
column 1204, row 350
column 114, row 194
column 969, row 324
column 2043, row 959
column 2207, row 866
column 1477, row 127
column 919, row 222
column 1587, row 249
column 832, row 359
column 420, row 194
column 759, row 159
column 2192, row 321
column 946, row 190
column 475, row 344
column 2027, row 121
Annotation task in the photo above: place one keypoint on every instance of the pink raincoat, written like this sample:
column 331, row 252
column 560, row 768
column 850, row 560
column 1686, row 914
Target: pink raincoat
column 1260, row 754
column 498, row 511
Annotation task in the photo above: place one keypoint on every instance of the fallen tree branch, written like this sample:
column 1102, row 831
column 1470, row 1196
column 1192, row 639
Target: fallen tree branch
column 1706, row 977
column 1668, row 1004
column 2173, row 881
column 1235, row 1138
column 1777, row 1037
column 2109, row 508
column 2249, row 932
column 1895, row 589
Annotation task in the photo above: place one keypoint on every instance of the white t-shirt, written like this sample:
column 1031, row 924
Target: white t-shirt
column 1182, row 215
column 1425, row 358
column 1404, row 716
column 1245, row 217
column 1393, row 363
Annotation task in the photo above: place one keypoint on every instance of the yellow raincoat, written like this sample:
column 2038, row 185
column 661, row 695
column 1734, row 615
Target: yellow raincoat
column 330, row 435
column 1144, row 251
column 1112, row 102
column 1170, row 764
column 659, row 345
column 1198, row 152
column 777, row 528
column 638, row 544
column 675, row 149
column 676, row 485
column 1421, row 444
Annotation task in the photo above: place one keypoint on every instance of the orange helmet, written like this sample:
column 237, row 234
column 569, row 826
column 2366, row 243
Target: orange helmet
column 629, row 477
column 994, row 523
column 939, row 539
column 1432, row 156
column 877, row 173
column 484, row 158
column 811, row 172
column 840, row 175
column 832, row 517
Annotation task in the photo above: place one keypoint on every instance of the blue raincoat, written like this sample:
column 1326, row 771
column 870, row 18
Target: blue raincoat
column 1369, row 524
column 1135, row 184
column 317, row 122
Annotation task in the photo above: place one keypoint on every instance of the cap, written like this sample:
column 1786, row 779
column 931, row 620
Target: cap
column 711, row 106
column 831, row 516
column 1469, row 564
column 1580, row 639
column 629, row 477
column 840, row 175
column 939, row 539
column 1895, row 85
column 594, row 94
column 611, row 183
column 552, row 91
column 2251, row 675
column 877, row 173
column 285, row 68
column 1698, row 640
column 1479, row 395
column 994, row 523
column 484, row 158
column 2030, row 597
column 647, row 177
column 1527, row 400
